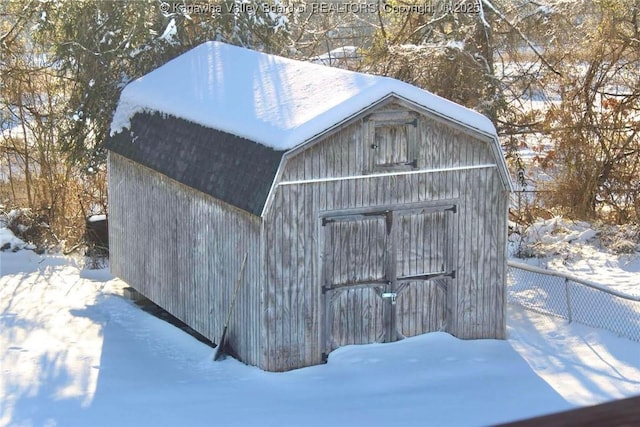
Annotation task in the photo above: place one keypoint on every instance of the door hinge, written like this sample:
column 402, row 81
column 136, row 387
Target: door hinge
column 389, row 221
column 453, row 209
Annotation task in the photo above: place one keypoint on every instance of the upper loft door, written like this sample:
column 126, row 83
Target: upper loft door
column 391, row 142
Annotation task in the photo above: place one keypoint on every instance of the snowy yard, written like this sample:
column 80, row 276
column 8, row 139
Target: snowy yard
column 607, row 255
column 73, row 351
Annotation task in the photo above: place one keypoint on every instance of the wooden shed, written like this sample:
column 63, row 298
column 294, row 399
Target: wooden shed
column 370, row 209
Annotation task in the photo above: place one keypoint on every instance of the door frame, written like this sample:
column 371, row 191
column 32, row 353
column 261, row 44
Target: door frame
column 352, row 214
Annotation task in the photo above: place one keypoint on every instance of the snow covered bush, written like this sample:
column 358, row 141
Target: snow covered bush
column 21, row 225
column 556, row 236
column 8, row 241
column 622, row 239
column 568, row 239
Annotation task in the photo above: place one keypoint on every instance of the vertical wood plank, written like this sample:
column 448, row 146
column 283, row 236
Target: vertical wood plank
column 281, row 297
column 158, row 245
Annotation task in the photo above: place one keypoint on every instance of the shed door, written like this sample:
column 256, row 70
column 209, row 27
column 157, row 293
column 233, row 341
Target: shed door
column 355, row 263
column 423, row 269
column 386, row 274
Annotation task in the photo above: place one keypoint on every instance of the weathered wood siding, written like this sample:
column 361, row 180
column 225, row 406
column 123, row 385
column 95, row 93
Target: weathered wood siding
column 293, row 297
column 355, row 251
column 183, row 250
column 424, row 244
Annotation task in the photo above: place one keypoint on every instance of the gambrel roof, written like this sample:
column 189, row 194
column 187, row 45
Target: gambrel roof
column 219, row 118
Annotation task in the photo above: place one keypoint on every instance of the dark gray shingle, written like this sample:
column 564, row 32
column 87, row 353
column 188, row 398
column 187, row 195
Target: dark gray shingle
column 227, row 167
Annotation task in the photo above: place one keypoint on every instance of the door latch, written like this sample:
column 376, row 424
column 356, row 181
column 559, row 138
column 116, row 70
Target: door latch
column 392, row 295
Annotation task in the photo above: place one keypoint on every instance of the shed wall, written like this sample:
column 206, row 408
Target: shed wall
column 183, row 249
column 475, row 307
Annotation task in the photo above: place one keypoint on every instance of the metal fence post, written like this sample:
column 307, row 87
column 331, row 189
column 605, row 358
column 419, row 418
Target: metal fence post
column 539, row 290
column 568, row 295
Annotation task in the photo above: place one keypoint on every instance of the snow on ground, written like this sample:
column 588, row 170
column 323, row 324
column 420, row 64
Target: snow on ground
column 584, row 365
column 607, row 255
column 74, row 352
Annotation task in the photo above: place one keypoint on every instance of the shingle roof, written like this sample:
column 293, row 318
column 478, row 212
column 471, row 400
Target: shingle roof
column 275, row 101
column 227, row 115
column 227, row 167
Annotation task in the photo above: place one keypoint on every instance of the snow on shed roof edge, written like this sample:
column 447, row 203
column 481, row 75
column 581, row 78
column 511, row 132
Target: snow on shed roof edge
column 275, row 101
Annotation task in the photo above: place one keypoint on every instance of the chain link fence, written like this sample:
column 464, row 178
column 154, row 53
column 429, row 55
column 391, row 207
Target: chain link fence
column 561, row 295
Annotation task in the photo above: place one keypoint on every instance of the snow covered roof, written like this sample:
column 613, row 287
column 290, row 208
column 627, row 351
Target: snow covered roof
column 18, row 132
column 275, row 101
column 338, row 56
column 220, row 118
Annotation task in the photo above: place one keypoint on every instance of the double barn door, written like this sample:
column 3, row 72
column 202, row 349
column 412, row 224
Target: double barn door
column 385, row 273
